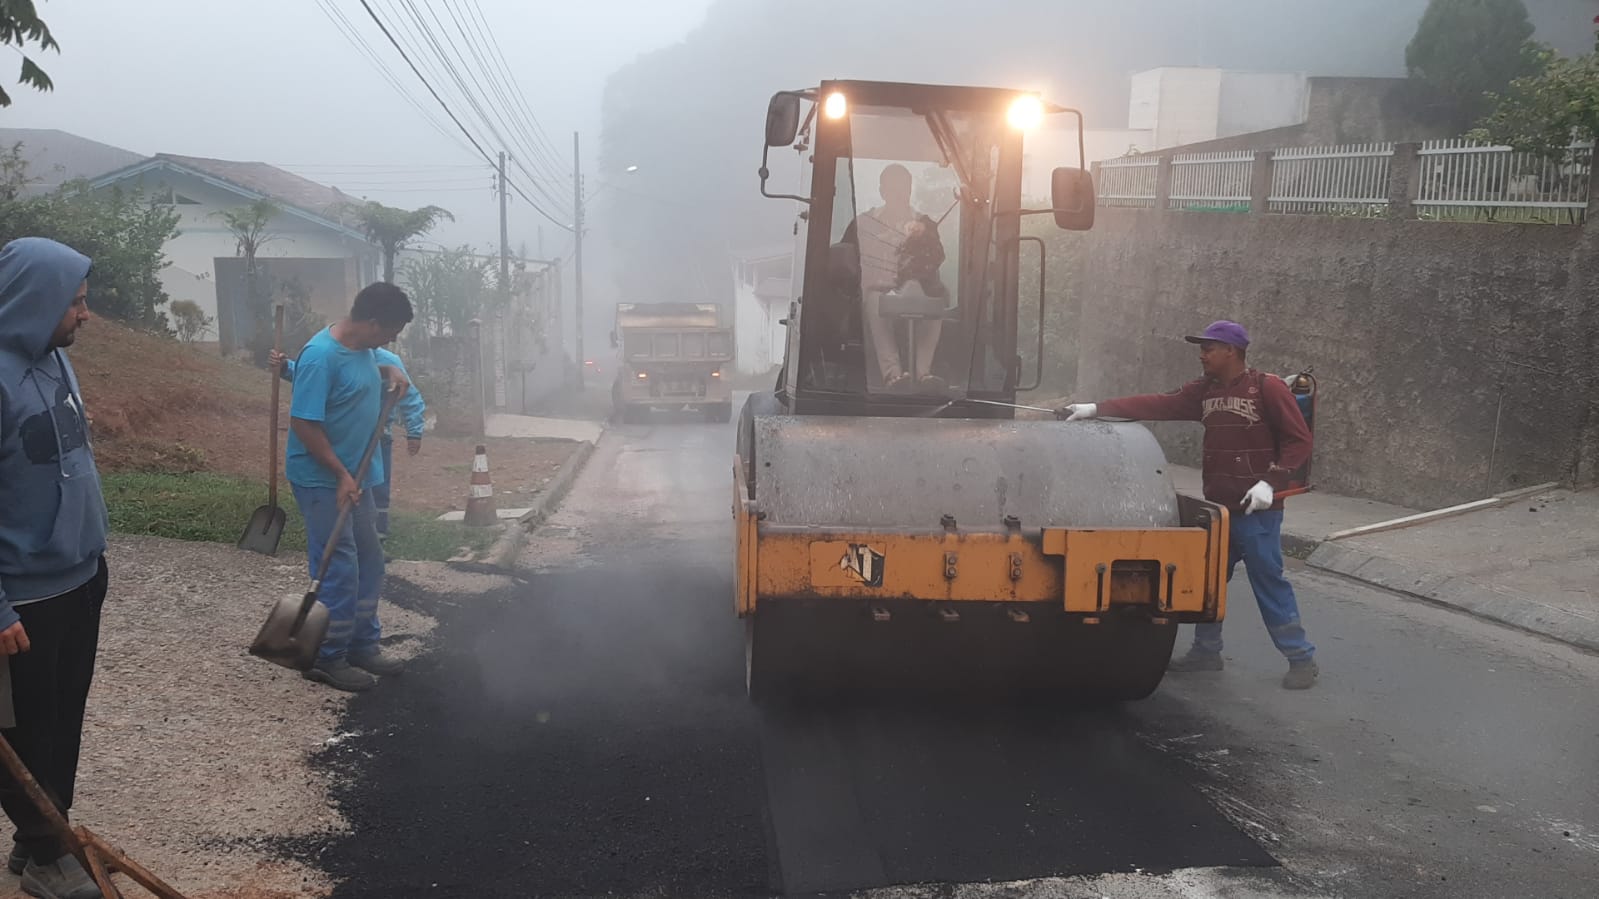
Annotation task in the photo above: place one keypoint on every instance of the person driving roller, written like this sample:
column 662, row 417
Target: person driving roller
column 898, row 247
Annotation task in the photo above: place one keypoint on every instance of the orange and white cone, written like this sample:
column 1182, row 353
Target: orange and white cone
column 480, row 502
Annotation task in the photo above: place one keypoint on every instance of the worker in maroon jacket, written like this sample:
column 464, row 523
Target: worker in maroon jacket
column 1255, row 436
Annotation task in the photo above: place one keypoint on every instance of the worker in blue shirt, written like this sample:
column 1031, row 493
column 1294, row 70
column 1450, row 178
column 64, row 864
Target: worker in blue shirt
column 411, row 406
column 338, row 399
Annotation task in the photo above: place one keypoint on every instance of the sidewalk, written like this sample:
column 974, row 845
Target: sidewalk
column 1530, row 561
column 531, row 427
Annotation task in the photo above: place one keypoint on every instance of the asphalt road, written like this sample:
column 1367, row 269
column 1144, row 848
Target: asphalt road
column 586, row 734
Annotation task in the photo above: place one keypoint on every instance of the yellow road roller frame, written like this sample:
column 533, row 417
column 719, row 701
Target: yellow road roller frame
column 1172, row 572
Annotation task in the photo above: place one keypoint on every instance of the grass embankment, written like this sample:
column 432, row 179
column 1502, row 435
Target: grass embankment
column 215, row 507
column 181, row 439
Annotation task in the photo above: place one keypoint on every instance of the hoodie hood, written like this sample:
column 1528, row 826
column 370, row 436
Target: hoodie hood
column 38, row 279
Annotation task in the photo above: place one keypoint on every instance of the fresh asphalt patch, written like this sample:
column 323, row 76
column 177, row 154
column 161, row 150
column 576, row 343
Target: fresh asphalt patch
column 587, row 734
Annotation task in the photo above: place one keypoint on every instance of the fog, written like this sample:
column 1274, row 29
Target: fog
column 695, row 110
column 673, row 90
column 283, row 84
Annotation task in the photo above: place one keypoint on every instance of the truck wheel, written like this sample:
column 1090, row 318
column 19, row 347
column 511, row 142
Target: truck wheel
column 721, row 413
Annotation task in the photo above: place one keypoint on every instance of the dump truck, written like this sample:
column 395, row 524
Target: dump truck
column 895, row 522
column 671, row 357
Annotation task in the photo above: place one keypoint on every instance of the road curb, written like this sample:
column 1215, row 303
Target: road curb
column 1457, row 593
column 509, row 545
column 1300, row 547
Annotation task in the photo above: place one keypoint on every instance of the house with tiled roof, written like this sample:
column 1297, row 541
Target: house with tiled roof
column 316, row 252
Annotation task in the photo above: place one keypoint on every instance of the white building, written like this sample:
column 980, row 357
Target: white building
column 761, row 298
column 335, row 257
column 1174, row 106
column 1181, row 105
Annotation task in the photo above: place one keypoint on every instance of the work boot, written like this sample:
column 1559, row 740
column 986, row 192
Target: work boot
column 63, row 878
column 377, row 663
column 18, row 859
column 1196, row 660
column 340, row 675
column 1301, row 675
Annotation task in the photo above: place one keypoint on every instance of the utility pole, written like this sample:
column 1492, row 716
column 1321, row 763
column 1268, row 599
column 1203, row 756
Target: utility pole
column 577, row 233
column 505, row 293
column 505, row 259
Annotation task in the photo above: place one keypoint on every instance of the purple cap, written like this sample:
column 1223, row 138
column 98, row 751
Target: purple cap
column 1230, row 333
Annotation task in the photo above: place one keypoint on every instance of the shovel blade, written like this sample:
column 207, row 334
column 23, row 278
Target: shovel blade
column 264, row 530
column 281, row 642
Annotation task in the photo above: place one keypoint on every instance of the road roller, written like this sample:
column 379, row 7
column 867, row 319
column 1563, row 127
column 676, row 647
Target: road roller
column 896, row 523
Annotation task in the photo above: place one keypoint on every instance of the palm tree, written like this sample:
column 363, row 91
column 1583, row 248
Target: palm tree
column 248, row 225
column 390, row 229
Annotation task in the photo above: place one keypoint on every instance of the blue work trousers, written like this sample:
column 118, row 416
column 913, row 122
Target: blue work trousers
column 355, row 574
column 1257, row 541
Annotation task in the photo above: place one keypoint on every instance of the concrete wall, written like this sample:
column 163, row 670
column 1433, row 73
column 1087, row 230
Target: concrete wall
column 1427, row 338
column 328, row 286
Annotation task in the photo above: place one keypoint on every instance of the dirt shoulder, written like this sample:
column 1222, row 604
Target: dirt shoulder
column 196, row 756
column 162, row 406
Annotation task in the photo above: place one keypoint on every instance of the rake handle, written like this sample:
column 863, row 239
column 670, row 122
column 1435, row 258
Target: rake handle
column 277, row 381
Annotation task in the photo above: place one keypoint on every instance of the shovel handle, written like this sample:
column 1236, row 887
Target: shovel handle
column 392, row 397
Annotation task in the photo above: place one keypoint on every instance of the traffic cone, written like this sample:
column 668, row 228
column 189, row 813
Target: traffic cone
column 480, row 502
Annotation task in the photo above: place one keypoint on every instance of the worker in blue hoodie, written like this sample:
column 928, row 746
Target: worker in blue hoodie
column 412, row 406
column 52, row 549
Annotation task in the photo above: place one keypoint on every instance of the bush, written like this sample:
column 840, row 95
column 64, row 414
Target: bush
column 189, row 320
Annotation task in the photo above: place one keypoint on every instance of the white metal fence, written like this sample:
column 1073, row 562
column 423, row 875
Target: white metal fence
column 1454, row 180
column 1343, row 180
column 1128, row 181
column 1458, row 178
column 1201, row 180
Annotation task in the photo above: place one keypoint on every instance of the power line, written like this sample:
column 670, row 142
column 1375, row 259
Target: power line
column 353, row 35
column 425, row 37
column 424, row 190
column 407, row 182
column 379, row 166
column 365, row 4
column 516, row 87
column 497, row 114
column 543, row 153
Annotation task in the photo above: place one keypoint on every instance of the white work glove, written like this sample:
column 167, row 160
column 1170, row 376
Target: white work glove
column 1078, row 412
column 1259, row 497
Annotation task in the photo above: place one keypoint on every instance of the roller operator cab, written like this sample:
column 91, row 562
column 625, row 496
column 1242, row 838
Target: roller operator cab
column 893, row 521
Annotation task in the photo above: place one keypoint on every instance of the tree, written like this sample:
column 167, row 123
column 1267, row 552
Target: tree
column 390, row 229
column 20, row 25
column 125, row 233
column 1465, row 50
column 189, row 320
column 450, row 289
column 250, row 226
column 1548, row 112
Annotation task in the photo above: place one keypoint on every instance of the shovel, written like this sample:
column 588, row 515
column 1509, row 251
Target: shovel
column 295, row 628
column 266, row 523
